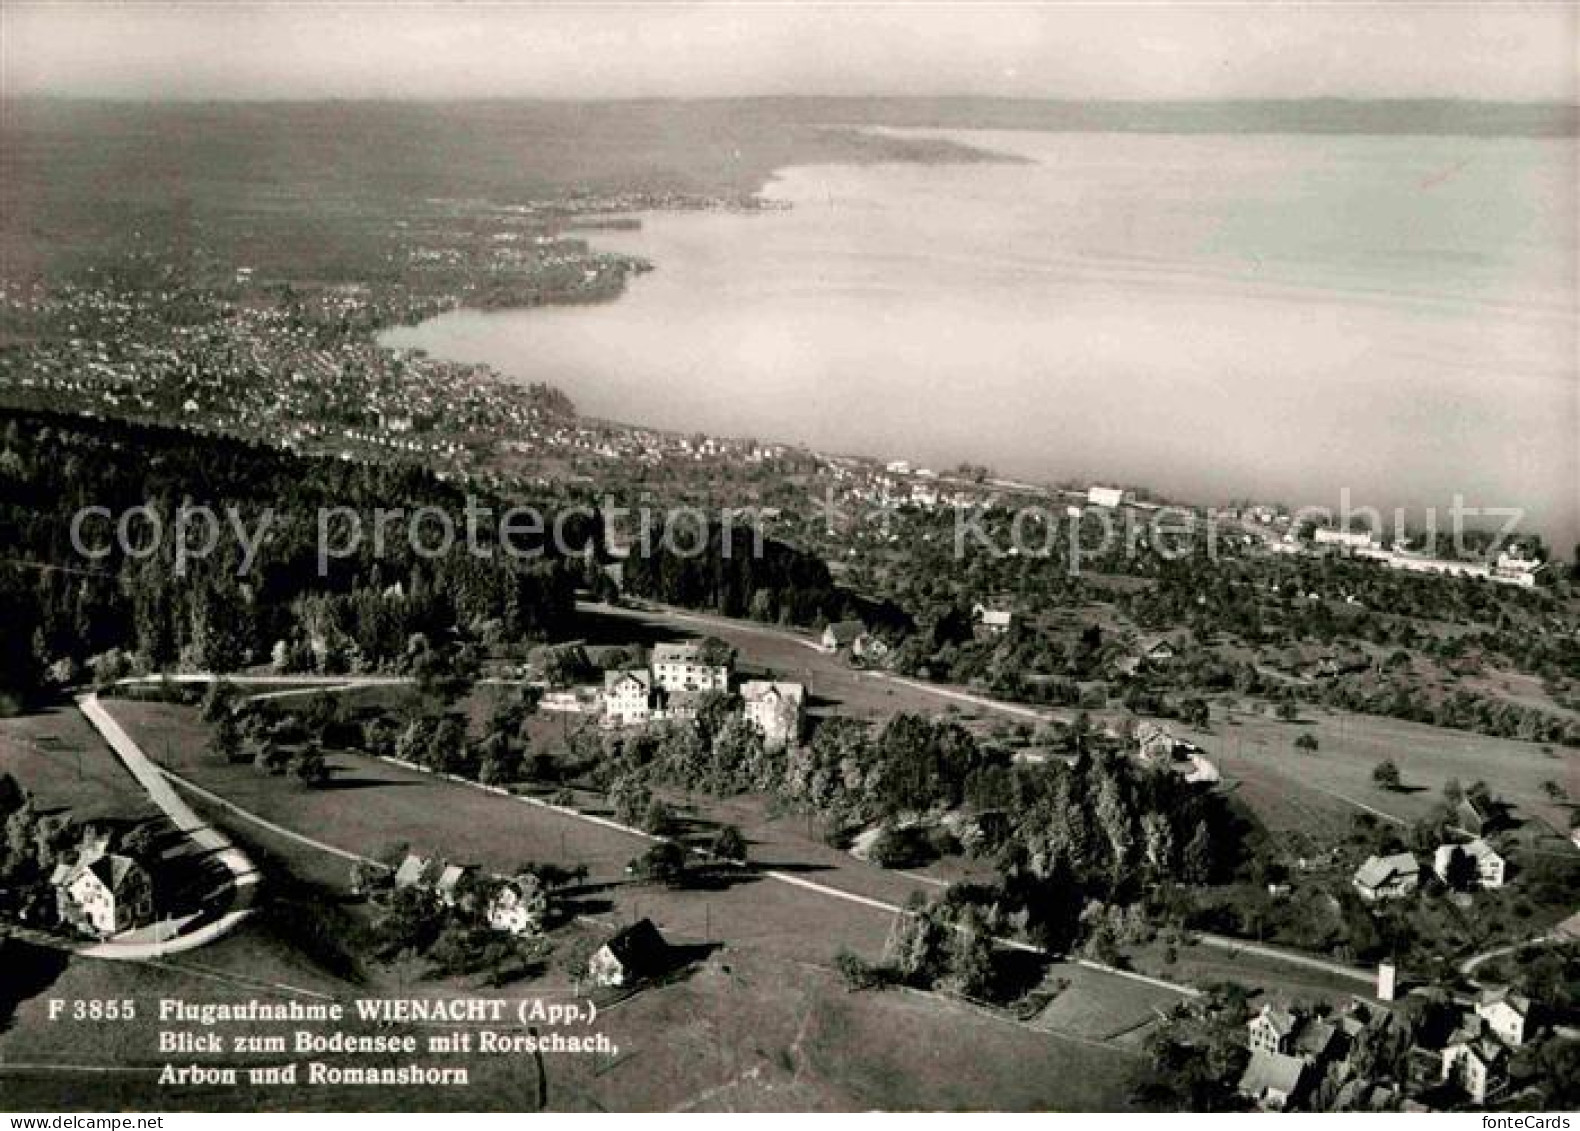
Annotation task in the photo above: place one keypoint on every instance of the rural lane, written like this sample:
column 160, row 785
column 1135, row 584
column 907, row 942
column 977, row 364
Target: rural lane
column 243, row 873
column 680, row 618
column 1294, row 958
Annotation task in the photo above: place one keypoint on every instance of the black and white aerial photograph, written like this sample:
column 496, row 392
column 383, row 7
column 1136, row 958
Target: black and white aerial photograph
column 747, row 556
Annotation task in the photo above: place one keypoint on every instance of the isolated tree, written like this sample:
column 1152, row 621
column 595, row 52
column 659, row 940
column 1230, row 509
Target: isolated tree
column 856, row 972
column 411, row 745
column 1386, row 775
column 971, row 968
column 322, row 712
column 630, row 799
column 412, row 921
column 500, row 759
column 658, row 819
column 896, row 847
column 367, row 878
column 1307, row 742
column 1460, row 872
column 916, row 947
column 1114, row 819
column 664, row 863
column 729, row 844
column 1194, row 712
column 447, row 750
column 227, row 741
column 217, row 700
column 552, row 875
column 309, row 766
column 712, row 650
column 142, row 841
column 270, row 757
column 1158, row 839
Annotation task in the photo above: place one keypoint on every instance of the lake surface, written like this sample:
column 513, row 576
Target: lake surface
column 1213, row 316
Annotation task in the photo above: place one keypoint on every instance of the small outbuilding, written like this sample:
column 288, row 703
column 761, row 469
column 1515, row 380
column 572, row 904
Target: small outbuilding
column 634, row 954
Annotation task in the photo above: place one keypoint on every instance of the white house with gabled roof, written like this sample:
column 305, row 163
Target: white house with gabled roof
column 627, row 698
column 1488, row 864
column 1387, row 877
column 777, row 709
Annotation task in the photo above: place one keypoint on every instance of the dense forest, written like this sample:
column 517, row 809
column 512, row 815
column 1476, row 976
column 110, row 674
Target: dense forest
column 295, row 576
column 729, row 575
column 136, row 605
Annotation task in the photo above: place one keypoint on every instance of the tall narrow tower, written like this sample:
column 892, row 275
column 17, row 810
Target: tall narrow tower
column 1387, row 974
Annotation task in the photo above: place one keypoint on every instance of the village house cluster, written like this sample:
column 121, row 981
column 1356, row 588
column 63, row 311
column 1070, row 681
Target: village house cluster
column 265, row 371
column 1467, row 863
column 516, row 905
column 679, row 675
column 303, row 370
column 1514, row 564
column 1304, row 1058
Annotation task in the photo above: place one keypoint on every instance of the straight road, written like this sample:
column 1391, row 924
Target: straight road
column 1293, row 957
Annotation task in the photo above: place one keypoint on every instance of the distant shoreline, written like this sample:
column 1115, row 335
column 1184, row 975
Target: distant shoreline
column 1383, row 116
column 792, row 439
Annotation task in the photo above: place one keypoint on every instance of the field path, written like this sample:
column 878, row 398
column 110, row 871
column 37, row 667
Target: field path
column 1469, row 965
column 262, row 822
column 1293, row 957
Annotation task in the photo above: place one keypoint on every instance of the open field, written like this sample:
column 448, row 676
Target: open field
column 62, row 761
column 1098, row 1006
column 763, row 1023
column 745, row 1034
column 1203, row 965
column 1319, row 792
column 393, row 804
column 372, row 805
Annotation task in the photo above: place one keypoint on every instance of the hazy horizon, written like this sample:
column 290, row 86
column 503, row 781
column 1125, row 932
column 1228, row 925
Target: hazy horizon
column 1143, row 52
column 704, row 99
